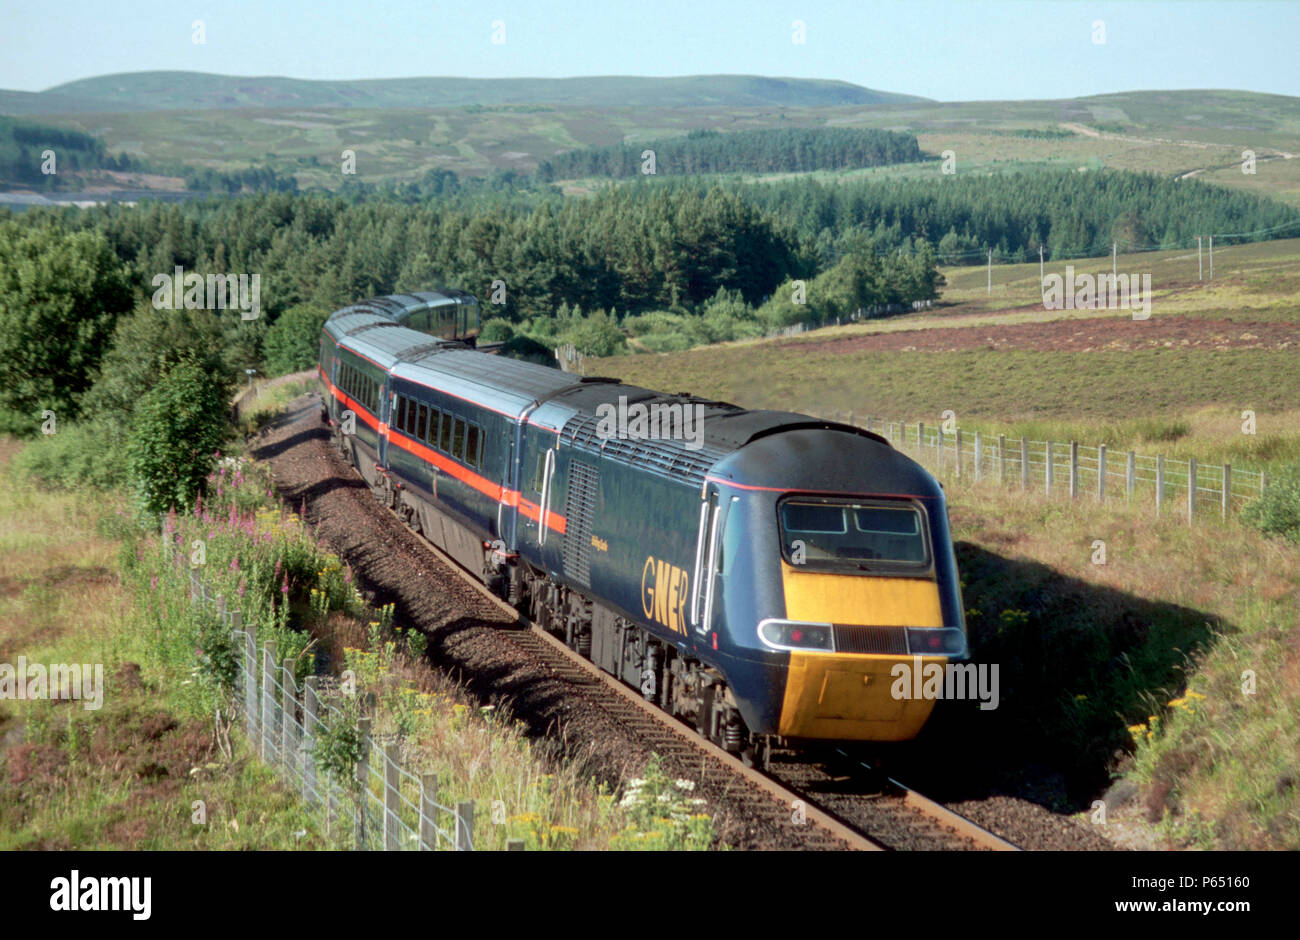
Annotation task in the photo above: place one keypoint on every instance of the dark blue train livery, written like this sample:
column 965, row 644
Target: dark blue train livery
column 761, row 574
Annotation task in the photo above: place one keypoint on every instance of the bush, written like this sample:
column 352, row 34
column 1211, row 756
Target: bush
column 145, row 346
column 1277, row 512
column 496, row 331
column 180, row 424
column 90, row 454
column 293, row 341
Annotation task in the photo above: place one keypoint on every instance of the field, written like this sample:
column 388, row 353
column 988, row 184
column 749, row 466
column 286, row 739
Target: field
column 1176, row 383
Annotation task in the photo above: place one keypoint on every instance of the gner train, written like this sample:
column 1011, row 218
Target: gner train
column 761, row 576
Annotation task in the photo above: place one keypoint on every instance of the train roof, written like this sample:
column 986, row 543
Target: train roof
column 565, row 403
column 399, row 307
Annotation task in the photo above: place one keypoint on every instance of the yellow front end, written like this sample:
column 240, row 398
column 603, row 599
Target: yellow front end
column 847, row 696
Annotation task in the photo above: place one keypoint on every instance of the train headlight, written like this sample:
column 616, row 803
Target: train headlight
column 797, row 635
column 936, row 641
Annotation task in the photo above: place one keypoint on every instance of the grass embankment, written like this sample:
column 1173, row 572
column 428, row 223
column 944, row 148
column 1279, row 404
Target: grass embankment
column 126, row 775
column 1174, row 665
column 129, row 774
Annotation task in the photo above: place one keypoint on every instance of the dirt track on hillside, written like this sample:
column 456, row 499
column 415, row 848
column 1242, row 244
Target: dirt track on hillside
column 1092, row 334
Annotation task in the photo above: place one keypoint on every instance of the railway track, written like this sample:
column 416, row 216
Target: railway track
column 814, row 805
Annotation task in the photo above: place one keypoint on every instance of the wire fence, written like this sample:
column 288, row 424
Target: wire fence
column 384, row 806
column 1071, row 470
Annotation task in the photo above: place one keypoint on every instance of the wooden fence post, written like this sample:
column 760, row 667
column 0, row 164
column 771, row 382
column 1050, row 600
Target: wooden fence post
column 288, row 717
column 1051, row 470
column 1002, row 458
column 392, row 781
column 959, row 453
column 1191, row 490
column 1130, row 474
column 1227, row 490
column 269, row 725
column 1074, row 469
column 465, row 826
column 429, row 812
column 1101, row 473
column 1160, row 482
column 363, row 783
column 920, row 439
column 1024, row 464
column 310, row 716
column 979, row 455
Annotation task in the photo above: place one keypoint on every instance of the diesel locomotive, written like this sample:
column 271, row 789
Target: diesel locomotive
column 760, row 576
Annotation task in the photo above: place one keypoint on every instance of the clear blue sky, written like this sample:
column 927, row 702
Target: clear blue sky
column 954, row 50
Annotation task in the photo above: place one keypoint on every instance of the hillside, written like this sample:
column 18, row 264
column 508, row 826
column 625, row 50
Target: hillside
column 163, row 91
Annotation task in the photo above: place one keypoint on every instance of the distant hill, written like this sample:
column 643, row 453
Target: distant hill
column 163, row 91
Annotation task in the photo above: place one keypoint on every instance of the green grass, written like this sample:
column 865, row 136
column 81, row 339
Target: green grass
column 1145, row 654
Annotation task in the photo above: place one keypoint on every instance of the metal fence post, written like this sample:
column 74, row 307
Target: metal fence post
column 288, row 716
column 465, row 826
column 429, row 812
column 1227, row 490
column 391, row 782
column 363, row 782
column 1191, row 490
column 1024, row 464
column 1074, row 469
column 310, row 715
column 1160, row 482
column 1130, row 473
column 1101, row 473
column 250, row 679
column 979, row 454
column 269, row 725
column 221, row 609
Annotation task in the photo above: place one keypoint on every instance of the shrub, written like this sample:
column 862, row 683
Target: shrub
column 86, row 454
column 180, row 424
column 496, row 331
column 1277, row 512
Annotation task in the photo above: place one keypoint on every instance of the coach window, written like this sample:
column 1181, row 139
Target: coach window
column 423, row 423
column 444, row 435
column 399, row 412
column 458, row 440
column 472, row 445
column 431, row 432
